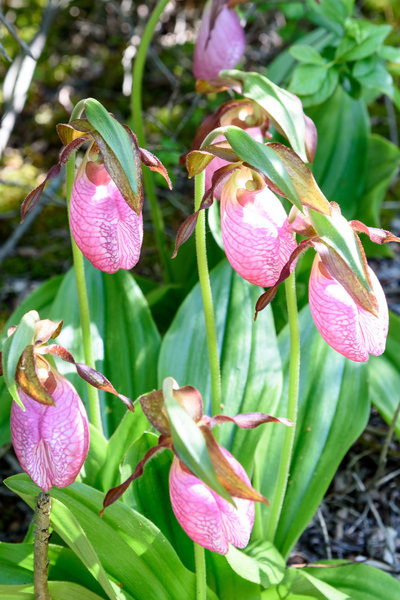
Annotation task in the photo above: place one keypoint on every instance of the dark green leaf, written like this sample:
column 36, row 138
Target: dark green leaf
column 251, row 370
column 333, row 411
column 125, row 339
column 261, row 563
column 360, row 582
column 384, row 373
column 227, row 584
column 383, row 159
column 59, row 590
column 372, row 74
column 340, row 162
column 135, row 555
column 145, row 493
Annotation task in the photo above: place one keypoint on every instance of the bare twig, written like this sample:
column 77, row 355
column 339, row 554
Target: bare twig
column 19, row 76
column 325, row 534
column 41, row 544
column 385, row 448
column 14, row 34
column 20, row 231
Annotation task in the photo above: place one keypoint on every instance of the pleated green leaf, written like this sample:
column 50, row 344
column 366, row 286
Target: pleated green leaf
column 341, row 159
column 122, row 546
column 16, row 566
column 360, row 582
column 251, row 367
column 333, row 411
column 260, row 563
column 384, row 374
column 59, row 590
column 124, row 337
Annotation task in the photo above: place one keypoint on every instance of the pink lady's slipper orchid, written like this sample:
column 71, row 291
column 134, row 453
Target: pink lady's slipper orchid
column 347, row 302
column 51, row 442
column 255, row 229
column 107, row 193
column 344, row 325
column 220, row 42
column 218, row 163
column 49, row 425
column 106, row 230
column 208, row 519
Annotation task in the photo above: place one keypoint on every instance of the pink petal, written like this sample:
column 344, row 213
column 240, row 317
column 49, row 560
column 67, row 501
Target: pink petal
column 255, row 231
column 217, row 162
column 208, row 519
column 344, row 325
column 223, row 48
column 107, row 231
column 51, row 442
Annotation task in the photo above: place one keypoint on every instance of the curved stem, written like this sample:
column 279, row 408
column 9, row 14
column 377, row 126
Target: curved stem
column 205, row 286
column 94, row 404
column 293, row 394
column 201, row 577
column 137, row 120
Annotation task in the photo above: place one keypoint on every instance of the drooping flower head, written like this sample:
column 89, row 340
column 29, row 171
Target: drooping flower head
column 105, row 228
column 257, row 237
column 51, row 442
column 107, row 195
column 49, row 425
column 344, row 324
column 212, row 498
column 208, row 519
column 220, row 41
column 347, row 302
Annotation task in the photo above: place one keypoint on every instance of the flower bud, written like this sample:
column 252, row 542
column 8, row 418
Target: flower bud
column 220, row 44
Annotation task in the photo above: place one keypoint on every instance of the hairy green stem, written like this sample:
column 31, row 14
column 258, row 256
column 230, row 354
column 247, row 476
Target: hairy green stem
column 137, row 121
column 41, row 547
column 84, row 312
column 201, row 576
column 205, row 286
column 293, row 394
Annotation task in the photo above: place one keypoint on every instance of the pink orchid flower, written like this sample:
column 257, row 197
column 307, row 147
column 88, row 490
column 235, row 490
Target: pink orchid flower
column 105, row 228
column 218, row 163
column 50, row 431
column 344, row 325
column 220, row 42
column 255, row 230
column 51, row 442
column 208, row 519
